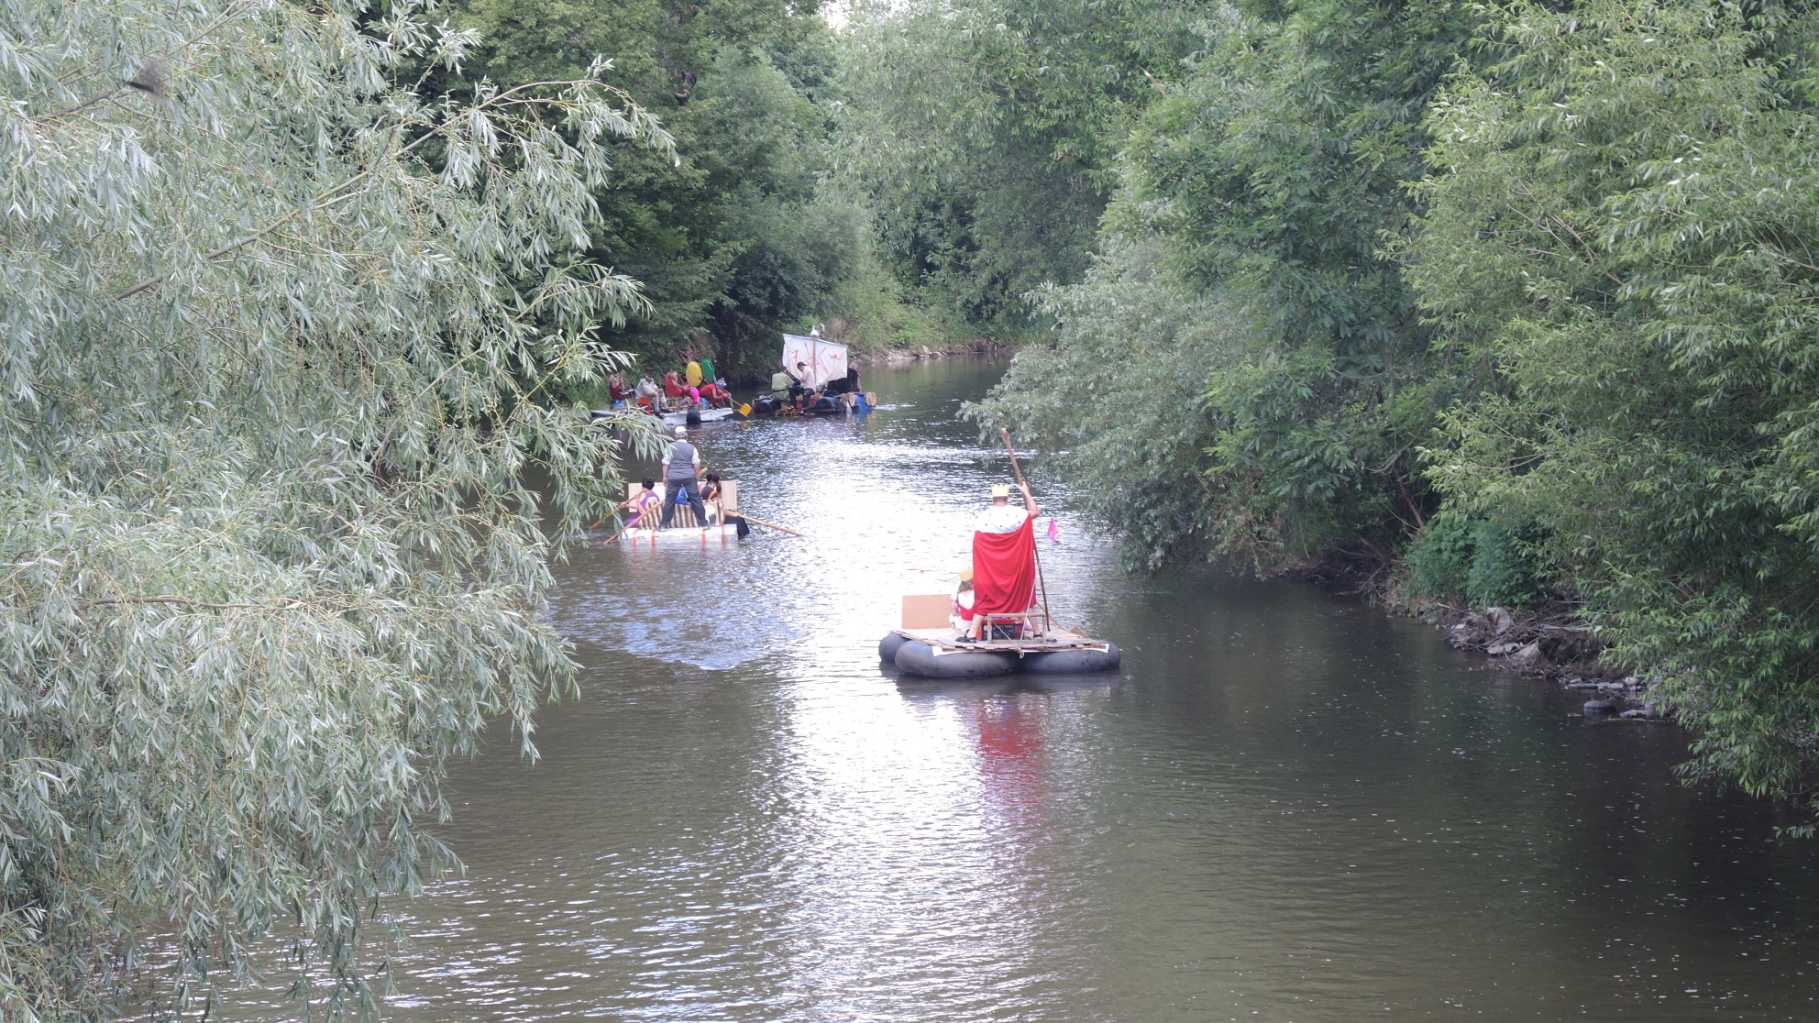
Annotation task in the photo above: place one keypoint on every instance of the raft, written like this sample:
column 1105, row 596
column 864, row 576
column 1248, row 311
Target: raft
column 779, row 405
column 695, row 417
column 684, row 530
column 712, row 536
column 933, row 653
column 676, row 417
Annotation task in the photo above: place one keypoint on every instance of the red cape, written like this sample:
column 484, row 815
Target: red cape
column 1004, row 571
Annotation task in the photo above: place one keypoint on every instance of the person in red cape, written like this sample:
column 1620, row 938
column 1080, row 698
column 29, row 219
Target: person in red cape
column 1004, row 560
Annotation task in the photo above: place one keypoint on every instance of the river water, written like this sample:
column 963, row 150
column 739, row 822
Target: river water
column 1287, row 806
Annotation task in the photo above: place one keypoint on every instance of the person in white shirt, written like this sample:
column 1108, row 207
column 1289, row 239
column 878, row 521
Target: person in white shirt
column 1003, row 517
column 999, row 517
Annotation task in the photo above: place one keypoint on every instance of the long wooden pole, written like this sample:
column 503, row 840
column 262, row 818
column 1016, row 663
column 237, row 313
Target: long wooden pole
column 768, row 525
column 1048, row 622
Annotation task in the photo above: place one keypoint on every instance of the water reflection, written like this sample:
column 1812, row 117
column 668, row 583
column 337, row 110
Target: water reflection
column 1287, row 807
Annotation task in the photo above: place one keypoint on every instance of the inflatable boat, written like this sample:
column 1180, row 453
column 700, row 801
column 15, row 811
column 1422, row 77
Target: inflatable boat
column 934, row 653
column 779, row 405
column 926, row 647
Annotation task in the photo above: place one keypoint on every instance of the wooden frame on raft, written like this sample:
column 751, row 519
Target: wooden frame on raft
column 682, row 520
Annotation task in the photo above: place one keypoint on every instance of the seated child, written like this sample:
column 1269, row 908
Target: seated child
column 645, row 500
column 963, row 603
column 710, row 496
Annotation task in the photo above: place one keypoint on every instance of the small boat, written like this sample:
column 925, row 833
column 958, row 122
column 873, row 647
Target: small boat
column 926, row 647
column 697, row 416
column 715, row 535
column 683, row 529
column 779, row 405
column 678, row 417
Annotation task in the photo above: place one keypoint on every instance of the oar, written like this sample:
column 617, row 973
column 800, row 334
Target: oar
column 768, row 525
column 1017, row 470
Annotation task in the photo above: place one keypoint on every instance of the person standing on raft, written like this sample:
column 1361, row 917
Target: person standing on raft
column 680, row 467
column 1004, row 561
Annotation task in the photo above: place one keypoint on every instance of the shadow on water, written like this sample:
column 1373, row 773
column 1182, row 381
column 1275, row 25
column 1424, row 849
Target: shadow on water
column 1286, row 806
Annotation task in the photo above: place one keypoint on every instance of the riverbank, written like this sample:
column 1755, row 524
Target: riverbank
column 979, row 347
column 1551, row 642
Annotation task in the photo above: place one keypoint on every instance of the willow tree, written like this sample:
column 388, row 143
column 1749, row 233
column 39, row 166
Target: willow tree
column 273, row 335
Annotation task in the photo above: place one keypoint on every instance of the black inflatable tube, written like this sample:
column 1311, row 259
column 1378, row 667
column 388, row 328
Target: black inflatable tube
column 1072, row 662
column 887, row 647
column 915, row 657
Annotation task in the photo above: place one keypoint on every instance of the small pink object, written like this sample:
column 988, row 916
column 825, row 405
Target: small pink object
column 1054, row 531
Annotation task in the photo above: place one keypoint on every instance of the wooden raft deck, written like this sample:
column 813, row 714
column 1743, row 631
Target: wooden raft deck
column 942, row 640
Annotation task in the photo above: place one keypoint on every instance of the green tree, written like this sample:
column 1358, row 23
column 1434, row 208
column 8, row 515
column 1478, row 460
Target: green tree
column 737, row 242
column 987, row 131
column 1619, row 240
column 275, row 336
column 1108, row 395
column 1264, row 184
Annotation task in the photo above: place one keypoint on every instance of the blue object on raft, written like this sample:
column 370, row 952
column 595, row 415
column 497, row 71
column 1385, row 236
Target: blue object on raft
column 920, row 658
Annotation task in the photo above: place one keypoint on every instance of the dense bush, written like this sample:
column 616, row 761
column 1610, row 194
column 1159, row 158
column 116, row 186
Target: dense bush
column 1619, row 237
column 1438, row 562
column 1483, row 561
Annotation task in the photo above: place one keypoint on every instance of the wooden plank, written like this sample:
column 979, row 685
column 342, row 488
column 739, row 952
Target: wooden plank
column 927, row 611
column 942, row 639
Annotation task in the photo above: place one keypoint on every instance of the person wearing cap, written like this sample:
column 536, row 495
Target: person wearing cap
column 1004, row 560
column 680, row 467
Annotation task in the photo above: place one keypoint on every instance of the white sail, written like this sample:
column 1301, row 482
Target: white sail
column 826, row 360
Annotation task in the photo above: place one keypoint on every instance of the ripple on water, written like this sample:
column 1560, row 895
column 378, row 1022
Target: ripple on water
column 1287, row 807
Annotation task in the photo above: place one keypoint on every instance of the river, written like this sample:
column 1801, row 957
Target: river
column 1287, row 806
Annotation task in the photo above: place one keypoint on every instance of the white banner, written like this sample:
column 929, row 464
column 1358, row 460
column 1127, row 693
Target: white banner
column 825, row 360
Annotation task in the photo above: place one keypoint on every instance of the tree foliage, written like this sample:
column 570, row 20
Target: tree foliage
column 987, row 133
column 1528, row 284
column 1265, row 181
column 1620, row 231
column 740, row 240
column 276, row 339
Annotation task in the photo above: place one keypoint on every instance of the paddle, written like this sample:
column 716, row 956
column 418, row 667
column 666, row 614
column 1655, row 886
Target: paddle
column 769, row 525
column 1017, row 471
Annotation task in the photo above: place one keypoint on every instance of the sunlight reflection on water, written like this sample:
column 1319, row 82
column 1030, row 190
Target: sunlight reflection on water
column 1288, row 806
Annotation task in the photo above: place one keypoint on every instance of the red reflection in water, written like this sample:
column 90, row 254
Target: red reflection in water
column 1010, row 768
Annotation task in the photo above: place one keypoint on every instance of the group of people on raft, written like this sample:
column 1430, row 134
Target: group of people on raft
column 696, row 386
column 1002, row 579
column 796, row 393
column 684, row 479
